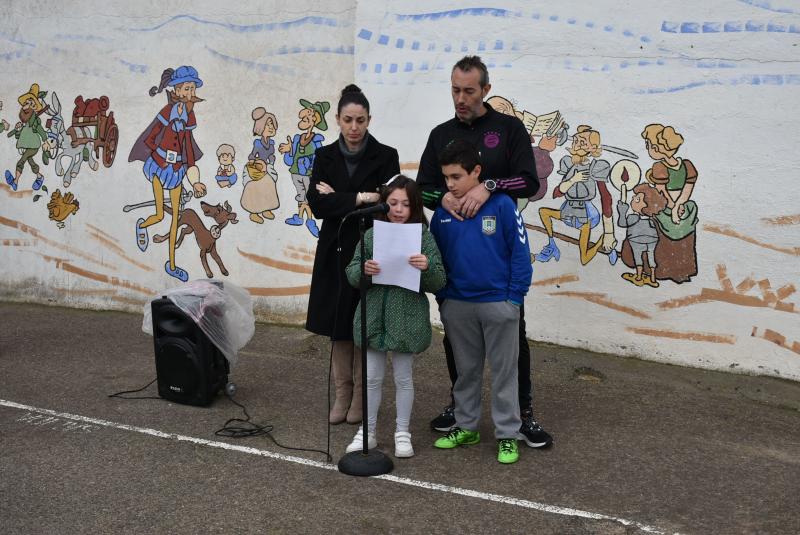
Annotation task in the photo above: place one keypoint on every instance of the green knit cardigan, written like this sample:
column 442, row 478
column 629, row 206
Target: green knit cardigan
column 397, row 319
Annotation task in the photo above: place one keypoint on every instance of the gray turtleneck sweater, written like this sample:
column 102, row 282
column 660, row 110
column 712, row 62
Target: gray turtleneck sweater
column 352, row 158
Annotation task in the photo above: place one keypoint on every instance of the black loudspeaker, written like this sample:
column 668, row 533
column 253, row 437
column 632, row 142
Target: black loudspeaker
column 190, row 369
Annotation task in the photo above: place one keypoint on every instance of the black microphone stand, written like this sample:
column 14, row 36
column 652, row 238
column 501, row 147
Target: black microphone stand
column 365, row 462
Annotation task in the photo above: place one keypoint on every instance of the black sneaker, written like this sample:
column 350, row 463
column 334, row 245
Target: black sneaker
column 446, row 421
column 532, row 432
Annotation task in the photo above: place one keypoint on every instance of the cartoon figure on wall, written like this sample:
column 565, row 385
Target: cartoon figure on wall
column 298, row 154
column 555, row 134
column 93, row 128
column 169, row 152
column 674, row 179
column 61, row 206
column 584, row 175
column 30, row 136
column 3, row 123
column 260, row 194
column 641, row 233
column 190, row 223
column 226, row 173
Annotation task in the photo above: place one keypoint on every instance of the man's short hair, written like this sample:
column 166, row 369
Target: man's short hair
column 461, row 152
column 467, row 63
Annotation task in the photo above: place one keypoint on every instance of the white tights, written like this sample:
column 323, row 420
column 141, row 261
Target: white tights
column 403, row 382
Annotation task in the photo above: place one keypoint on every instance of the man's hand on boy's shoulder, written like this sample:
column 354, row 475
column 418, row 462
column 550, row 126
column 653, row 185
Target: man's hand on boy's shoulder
column 467, row 206
column 472, row 201
column 452, row 205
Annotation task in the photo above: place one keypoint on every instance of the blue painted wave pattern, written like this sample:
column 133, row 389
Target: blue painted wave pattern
column 134, row 67
column 80, row 37
column 763, row 4
column 493, row 12
column 571, row 65
column 288, row 50
column 250, row 28
column 403, row 43
column 728, row 27
column 95, row 73
column 281, row 70
column 456, row 13
column 17, row 54
column 13, row 39
column 392, row 68
column 752, row 80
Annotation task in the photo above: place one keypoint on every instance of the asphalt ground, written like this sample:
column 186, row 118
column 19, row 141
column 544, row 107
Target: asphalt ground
column 640, row 447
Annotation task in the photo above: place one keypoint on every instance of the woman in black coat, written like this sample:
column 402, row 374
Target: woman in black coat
column 347, row 174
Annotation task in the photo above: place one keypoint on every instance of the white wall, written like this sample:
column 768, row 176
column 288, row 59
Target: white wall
column 616, row 66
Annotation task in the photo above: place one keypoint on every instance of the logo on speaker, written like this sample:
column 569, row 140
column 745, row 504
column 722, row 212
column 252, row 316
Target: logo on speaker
column 176, row 388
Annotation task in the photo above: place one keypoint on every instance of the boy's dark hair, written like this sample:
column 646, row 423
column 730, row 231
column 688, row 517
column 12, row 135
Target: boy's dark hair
column 467, row 63
column 417, row 214
column 461, row 152
column 352, row 95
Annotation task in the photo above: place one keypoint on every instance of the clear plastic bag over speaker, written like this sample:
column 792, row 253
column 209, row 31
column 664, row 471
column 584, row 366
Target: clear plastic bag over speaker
column 222, row 310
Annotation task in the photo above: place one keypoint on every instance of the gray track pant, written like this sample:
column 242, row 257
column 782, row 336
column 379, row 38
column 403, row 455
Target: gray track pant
column 479, row 331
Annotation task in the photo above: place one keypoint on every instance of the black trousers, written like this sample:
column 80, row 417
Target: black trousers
column 524, row 364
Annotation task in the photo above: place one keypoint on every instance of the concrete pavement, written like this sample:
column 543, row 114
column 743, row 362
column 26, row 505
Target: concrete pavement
column 639, row 447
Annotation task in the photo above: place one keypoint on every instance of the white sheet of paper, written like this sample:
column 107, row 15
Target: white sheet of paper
column 392, row 245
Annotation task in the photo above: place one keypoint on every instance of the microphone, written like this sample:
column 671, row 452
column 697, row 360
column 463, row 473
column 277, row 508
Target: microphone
column 380, row 208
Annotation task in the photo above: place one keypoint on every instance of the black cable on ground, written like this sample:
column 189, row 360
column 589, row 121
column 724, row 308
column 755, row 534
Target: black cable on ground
column 119, row 394
column 238, row 428
column 234, row 427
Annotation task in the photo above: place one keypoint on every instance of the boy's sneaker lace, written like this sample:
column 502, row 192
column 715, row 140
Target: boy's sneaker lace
column 507, row 451
column 446, row 421
column 458, row 437
column 532, row 432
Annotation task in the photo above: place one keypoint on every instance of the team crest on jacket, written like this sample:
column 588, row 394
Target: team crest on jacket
column 491, row 139
column 489, row 224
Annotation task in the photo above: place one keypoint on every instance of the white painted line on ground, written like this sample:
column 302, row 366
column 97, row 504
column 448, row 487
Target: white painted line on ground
column 497, row 498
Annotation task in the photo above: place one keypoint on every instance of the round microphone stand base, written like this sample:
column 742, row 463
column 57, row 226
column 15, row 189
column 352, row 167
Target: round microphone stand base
column 372, row 463
column 366, row 462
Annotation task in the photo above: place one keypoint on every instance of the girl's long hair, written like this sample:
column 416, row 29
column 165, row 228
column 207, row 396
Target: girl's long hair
column 415, row 205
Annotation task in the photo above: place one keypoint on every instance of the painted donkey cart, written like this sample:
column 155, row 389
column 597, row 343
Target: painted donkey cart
column 93, row 128
column 92, row 123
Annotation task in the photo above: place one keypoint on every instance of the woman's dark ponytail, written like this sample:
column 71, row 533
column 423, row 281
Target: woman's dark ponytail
column 352, row 94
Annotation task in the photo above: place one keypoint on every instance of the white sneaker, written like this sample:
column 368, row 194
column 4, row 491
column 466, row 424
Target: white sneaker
column 402, row 444
column 358, row 441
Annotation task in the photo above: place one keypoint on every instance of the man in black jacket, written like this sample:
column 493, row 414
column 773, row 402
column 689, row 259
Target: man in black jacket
column 507, row 167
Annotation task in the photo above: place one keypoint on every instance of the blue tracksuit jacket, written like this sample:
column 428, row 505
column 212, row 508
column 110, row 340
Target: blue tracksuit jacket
column 486, row 257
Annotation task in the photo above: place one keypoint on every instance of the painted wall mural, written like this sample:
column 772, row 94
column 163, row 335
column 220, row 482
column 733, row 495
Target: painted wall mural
column 260, row 193
column 30, row 136
column 298, row 153
column 625, row 111
column 658, row 210
column 170, row 153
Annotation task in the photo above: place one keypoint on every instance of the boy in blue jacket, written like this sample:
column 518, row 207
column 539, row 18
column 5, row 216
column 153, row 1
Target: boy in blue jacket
column 487, row 261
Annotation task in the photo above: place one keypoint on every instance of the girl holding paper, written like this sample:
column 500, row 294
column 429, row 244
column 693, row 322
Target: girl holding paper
column 398, row 319
column 346, row 175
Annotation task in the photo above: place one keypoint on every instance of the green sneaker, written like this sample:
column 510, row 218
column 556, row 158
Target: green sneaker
column 457, row 437
column 507, row 451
